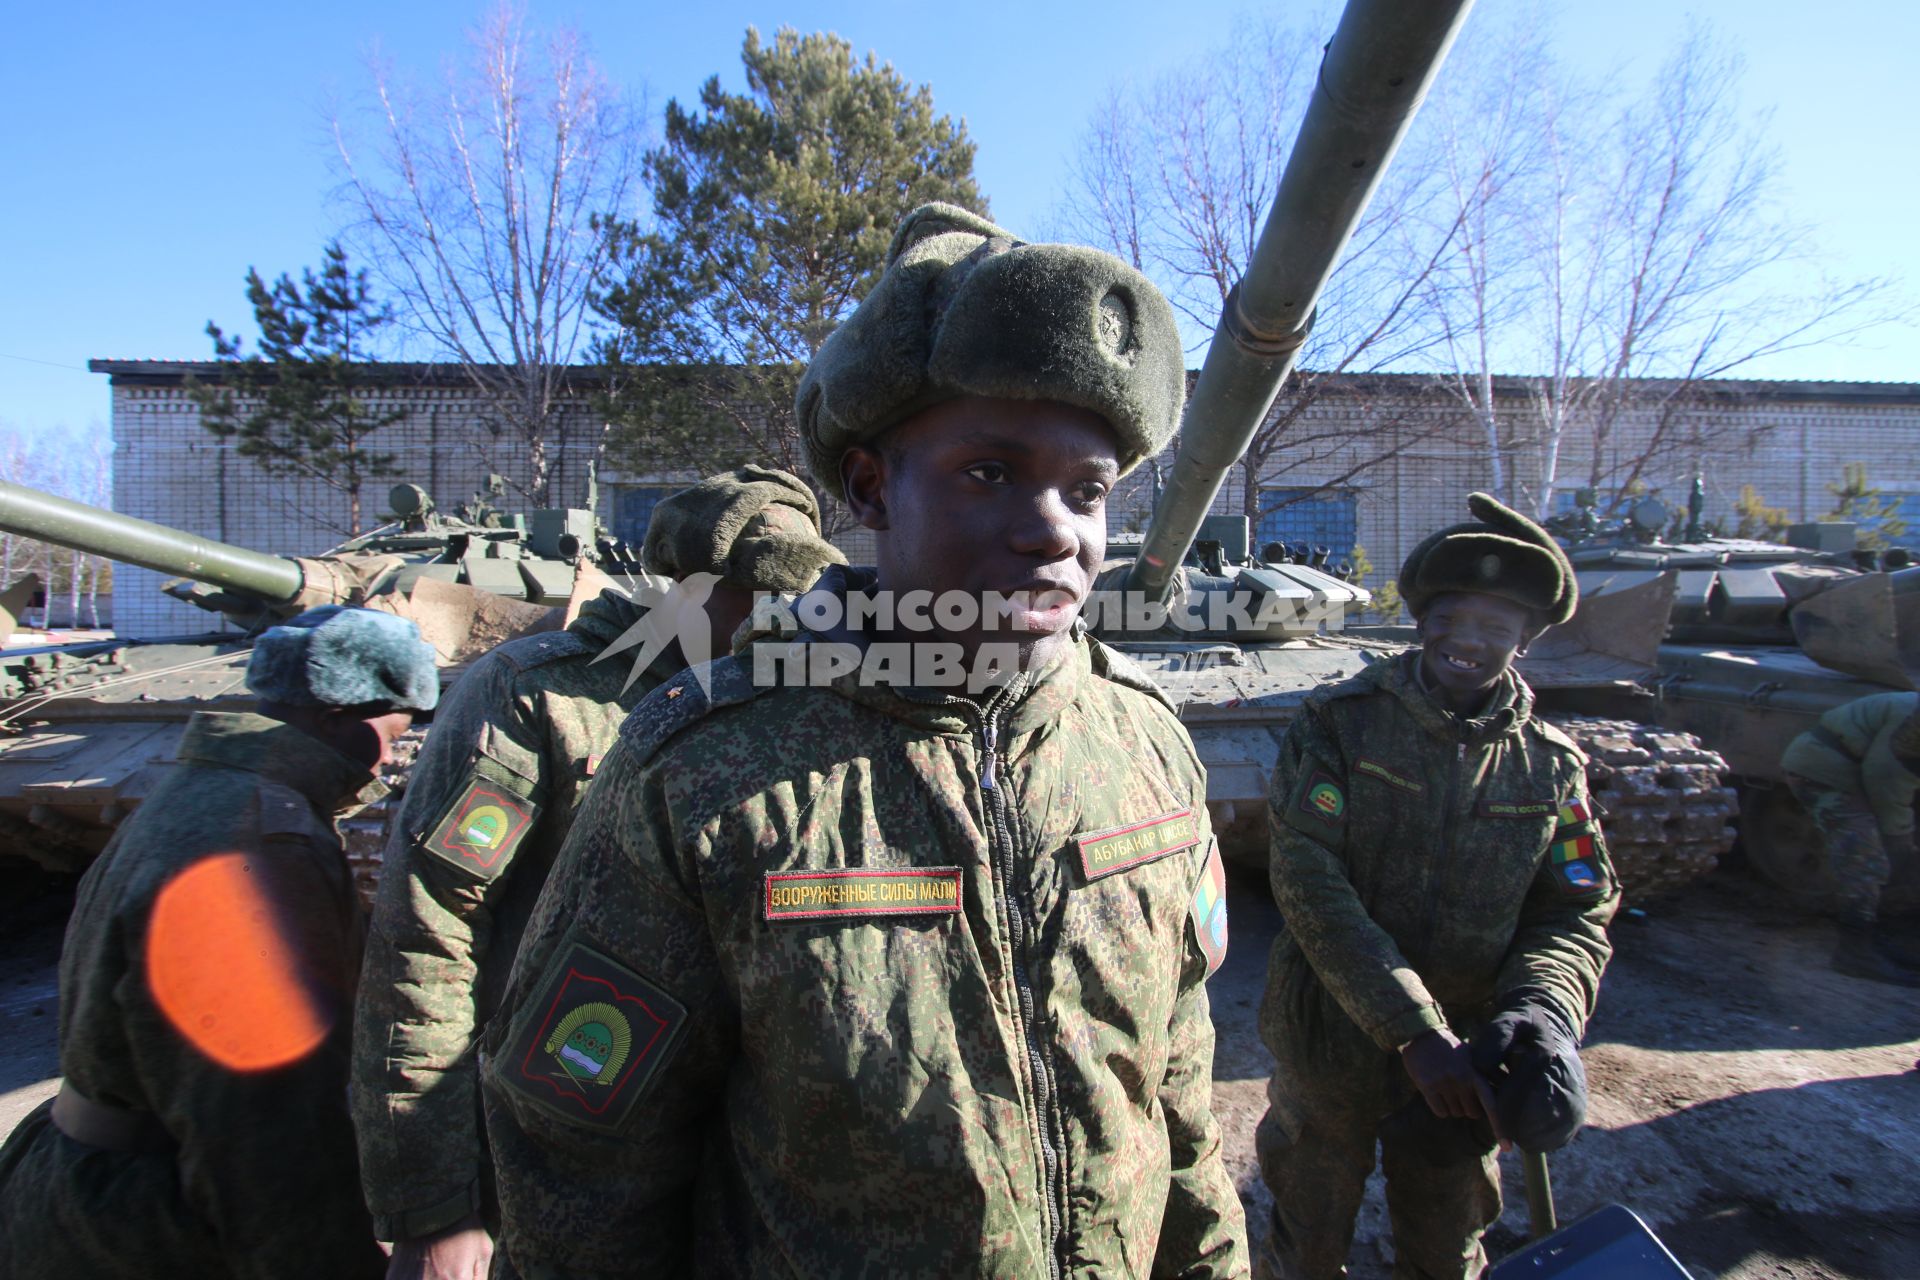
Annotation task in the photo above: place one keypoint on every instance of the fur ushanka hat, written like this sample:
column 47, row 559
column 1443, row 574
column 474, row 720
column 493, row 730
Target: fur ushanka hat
column 963, row 308
column 337, row 656
column 1500, row 553
column 754, row 527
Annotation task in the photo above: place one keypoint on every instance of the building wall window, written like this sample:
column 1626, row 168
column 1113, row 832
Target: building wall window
column 1327, row 518
column 632, row 508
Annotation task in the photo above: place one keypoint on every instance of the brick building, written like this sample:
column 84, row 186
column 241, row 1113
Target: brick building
column 1789, row 440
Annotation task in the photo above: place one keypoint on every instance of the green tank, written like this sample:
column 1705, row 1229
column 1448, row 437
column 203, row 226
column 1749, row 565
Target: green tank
column 1249, row 634
column 85, row 729
column 1764, row 639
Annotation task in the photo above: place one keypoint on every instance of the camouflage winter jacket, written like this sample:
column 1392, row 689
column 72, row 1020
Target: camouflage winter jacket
column 1867, row 748
column 1427, row 864
column 490, row 800
column 204, row 990
column 841, row 981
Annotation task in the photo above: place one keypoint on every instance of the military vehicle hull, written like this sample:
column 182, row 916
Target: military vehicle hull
column 87, row 729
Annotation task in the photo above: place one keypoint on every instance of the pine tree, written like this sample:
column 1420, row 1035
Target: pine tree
column 300, row 405
column 772, row 214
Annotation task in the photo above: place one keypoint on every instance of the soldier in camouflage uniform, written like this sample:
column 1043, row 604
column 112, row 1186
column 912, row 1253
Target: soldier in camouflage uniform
column 852, row 977
column 201, row 1128
column 1437, row 862
column 1856, row 773
column 491, row 798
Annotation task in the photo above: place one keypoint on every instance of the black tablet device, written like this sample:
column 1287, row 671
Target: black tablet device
column 1610, row 1244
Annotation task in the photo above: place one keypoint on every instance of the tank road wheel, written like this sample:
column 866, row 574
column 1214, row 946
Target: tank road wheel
column 1662, row 800
column 365, row 833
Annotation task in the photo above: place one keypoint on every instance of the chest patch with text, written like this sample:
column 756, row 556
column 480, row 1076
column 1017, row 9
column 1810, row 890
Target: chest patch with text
column 860, row 891
column 1374, row 769
column 1518, row 808
column 1104, row 853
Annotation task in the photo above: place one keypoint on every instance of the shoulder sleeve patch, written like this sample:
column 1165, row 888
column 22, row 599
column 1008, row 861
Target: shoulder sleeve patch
column 590, row 1039
column 689, row 696
column 1209, row 913
column 1576, row 868
column 483, row 828
column 1321, row 797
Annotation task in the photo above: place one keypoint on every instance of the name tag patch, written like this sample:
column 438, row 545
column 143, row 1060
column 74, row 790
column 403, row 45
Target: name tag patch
column 1104, row 853
column 1373, row 768
column 859, row 891
column 482, row 829
column 598, row 1033
column 1518, row 808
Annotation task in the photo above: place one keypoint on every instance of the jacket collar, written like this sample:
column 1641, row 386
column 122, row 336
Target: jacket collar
column 1509, row 707
column 281, row 754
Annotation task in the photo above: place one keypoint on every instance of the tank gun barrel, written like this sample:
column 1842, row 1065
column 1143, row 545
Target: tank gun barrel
column 1376, row 71
column 151, row 546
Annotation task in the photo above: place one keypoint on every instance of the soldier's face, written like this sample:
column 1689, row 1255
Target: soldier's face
column 366, row 740
column 1469, row 640
column 993, row 498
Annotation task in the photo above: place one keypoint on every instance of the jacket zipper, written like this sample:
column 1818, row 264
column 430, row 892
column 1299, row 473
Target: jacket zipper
column 1000, row 845
column 1446, row 840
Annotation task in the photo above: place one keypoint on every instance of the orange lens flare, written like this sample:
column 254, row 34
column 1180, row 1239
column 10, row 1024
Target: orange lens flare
column 223, row 972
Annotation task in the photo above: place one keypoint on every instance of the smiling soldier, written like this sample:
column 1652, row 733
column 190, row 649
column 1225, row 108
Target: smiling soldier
column 1437, row 862
column 897, row 980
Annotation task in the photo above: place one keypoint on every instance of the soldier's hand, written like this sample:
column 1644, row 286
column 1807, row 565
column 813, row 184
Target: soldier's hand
column 463, row 1251
column 1444, row 1074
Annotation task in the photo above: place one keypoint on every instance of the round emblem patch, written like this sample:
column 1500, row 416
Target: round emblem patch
column 1489, row 567
column 1113, row 320
column 591, row 1043
column 1326, row 799
column 485, row 826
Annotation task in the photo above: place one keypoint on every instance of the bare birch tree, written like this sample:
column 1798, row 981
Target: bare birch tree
column 1616, row 255
column 478, row 209
column 1177, row 176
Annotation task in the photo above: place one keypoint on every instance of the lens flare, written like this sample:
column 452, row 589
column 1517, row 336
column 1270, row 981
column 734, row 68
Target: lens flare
column 223, row 971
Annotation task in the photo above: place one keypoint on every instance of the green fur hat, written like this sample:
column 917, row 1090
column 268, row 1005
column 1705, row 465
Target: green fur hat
column 963, row 308
column 755, row 527
column 335, row 656
column 1501, row 553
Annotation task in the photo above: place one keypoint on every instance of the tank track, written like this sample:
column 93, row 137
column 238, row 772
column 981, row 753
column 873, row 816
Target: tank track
column 365, row 833
column 1662, row 800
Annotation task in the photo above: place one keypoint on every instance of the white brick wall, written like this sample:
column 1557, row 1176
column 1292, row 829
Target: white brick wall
column 1789, row 440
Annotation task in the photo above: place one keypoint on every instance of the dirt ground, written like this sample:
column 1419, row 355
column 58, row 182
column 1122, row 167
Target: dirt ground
column 1759, row 1110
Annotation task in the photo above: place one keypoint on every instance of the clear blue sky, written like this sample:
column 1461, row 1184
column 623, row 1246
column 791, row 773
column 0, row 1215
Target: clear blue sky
column 155, row 153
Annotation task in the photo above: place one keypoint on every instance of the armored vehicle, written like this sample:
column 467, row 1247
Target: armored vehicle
column 1238, row 640
column 1765, row 639
column 85, row 728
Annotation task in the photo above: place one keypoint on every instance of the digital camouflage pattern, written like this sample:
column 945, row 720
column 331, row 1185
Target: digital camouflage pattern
column 844, row 980
column 258, row 1179
column 491, row 799
column 1425, row 865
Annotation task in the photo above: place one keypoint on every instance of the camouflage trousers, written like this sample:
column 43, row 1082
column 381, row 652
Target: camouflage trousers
column 1857, row 857
column 1317, row 1145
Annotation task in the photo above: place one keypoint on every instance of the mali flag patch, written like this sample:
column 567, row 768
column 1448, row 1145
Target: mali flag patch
column 1210, row 909
column 590, row 1038
column 1575, row 868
